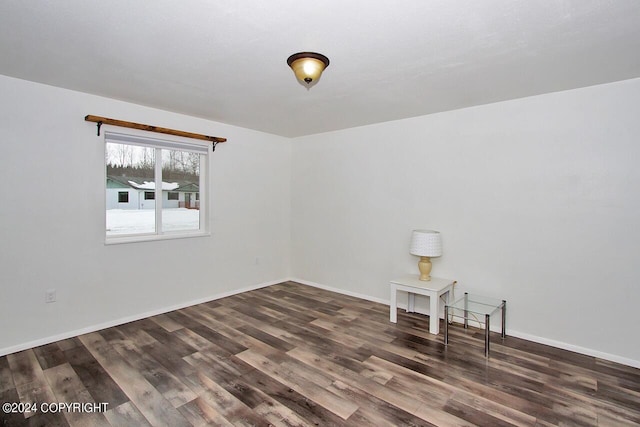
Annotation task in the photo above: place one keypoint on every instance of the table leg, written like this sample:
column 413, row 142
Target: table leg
column 486, row 335
column 434, row 313
column 504, row 319
column 393, row 305
column 446, row 324
column 448, row 299
column 411, row 302
column 466, row 313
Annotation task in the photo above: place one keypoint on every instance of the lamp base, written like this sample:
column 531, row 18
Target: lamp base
column 424, row 265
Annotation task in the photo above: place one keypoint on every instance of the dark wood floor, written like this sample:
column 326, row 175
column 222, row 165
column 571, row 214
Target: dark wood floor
column 295, row 355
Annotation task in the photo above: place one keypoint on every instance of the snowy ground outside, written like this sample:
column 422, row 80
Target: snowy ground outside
column 134, row 221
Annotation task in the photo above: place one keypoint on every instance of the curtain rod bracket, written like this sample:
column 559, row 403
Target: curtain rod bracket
column 99, row 125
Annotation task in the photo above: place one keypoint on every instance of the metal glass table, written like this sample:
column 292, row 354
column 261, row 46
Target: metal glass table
column 476, row 308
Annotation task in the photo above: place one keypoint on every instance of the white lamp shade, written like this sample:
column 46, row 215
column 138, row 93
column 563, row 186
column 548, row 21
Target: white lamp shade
column 426, row 243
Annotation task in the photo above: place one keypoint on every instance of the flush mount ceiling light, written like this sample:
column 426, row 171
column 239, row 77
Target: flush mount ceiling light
column 308, row 66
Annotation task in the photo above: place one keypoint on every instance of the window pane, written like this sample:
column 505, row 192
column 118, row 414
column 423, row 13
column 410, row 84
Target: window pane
column 180, row 184
column 130, row 170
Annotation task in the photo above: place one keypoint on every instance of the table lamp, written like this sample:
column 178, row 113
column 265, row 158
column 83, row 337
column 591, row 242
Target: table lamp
column 425, row 244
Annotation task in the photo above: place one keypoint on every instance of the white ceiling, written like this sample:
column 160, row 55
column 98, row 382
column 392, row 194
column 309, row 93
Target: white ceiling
column 225, row 60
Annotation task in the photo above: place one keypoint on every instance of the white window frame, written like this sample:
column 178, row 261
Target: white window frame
column 203, row 148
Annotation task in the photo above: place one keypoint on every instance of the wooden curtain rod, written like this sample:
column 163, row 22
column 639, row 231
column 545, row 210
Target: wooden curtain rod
column 107, row 121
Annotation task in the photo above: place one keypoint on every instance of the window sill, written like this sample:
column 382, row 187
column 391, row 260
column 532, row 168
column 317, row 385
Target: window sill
column 113, row 240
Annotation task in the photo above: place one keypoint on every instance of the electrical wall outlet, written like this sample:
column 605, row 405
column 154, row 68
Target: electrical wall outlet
column 50, row 295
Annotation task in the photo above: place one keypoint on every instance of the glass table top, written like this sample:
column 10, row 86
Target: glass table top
column 476, row 304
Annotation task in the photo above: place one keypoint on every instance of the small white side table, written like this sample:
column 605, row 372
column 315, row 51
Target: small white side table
column 433, row 288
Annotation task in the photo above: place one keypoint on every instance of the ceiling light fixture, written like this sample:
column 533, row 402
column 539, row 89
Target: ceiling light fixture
column 308, row 66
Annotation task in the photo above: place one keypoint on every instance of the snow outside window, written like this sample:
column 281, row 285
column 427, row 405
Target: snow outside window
column 165, row 183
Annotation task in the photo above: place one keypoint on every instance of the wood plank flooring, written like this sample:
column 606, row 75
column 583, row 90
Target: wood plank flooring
column 293, row 355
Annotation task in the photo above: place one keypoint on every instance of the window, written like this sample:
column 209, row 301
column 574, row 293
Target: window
column 154, row 169
column 123, row 197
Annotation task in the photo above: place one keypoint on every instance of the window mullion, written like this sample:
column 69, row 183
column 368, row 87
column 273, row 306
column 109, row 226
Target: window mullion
column 158, row 190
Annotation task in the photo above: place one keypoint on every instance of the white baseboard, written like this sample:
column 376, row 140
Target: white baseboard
column 575, row 348
column 540, row 340
column 340, row 291
column 133, row 318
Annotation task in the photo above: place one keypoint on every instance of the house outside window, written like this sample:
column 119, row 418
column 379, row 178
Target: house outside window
column 154, row 171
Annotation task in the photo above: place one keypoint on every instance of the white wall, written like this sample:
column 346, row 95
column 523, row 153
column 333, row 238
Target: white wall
column 46, row 145
column 537, row 199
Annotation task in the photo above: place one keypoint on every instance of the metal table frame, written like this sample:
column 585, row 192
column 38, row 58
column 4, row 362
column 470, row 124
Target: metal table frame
column 472, row 305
